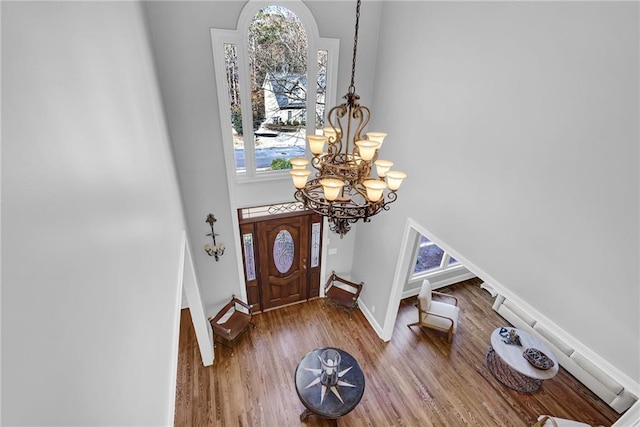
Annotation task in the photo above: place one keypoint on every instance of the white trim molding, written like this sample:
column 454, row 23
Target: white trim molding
column 631, row 418
column 464, row 274
column 204, row 333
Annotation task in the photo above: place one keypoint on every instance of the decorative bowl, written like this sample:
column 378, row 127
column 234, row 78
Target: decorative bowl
column 537, row 358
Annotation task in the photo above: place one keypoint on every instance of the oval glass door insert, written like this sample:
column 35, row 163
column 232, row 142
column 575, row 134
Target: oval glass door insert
column 283, row 251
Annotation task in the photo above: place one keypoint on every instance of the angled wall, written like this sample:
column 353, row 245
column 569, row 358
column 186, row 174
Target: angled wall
column 517, row 123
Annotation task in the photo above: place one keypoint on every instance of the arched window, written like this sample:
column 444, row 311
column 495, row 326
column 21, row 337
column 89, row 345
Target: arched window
column 273, row 75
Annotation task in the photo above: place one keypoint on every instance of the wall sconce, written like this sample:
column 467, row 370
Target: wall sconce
column 216, row 250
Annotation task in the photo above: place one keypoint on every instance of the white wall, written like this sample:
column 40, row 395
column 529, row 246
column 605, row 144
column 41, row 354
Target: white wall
column 524, row 118
column 91, row 220
column 182, row 49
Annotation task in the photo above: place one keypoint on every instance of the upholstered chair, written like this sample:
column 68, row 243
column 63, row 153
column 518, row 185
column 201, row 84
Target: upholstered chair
column 439, row 315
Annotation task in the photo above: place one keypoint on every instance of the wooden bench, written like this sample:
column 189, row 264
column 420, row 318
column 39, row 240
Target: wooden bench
column 231, row 321
column 343, row 295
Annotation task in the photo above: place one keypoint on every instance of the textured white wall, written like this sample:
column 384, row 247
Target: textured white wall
column 517, row 123
column 91, row 220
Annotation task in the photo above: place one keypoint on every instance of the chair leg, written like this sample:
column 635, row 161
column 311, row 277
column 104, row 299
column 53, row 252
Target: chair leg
column 413, row 324
column 450, row 332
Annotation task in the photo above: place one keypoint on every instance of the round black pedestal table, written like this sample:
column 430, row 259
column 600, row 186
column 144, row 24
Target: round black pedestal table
column 328, row 402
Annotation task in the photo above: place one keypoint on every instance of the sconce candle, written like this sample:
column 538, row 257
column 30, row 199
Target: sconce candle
column 216, row 250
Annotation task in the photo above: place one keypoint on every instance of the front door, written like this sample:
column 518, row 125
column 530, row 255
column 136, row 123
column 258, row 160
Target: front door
column 283, row 252
column 281, row 256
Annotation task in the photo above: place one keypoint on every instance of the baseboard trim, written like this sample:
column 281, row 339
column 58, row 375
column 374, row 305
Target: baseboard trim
column 631, row 418
column 371, row 319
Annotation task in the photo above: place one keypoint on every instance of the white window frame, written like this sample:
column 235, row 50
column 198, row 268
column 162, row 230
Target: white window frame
column 220, row 37
column 444, row 262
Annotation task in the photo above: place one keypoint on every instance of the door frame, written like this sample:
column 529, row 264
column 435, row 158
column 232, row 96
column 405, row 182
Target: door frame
column 294, row 284
column 275, row 212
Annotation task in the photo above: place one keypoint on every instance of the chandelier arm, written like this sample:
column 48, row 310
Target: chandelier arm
column 392, row 197
column 357, row 188
column 364, row 173
column 316, row 162
column 364, row 114
column 336, row 113
column 349, row 139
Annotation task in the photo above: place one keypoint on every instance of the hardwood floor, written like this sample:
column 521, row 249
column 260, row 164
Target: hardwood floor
column 415, row 379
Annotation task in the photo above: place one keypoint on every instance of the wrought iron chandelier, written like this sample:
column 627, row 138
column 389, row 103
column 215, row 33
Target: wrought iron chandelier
column 343, row 189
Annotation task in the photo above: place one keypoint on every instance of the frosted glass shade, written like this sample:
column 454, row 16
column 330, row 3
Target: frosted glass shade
column 382, row 167
column 331, row 187
column 376, row 136
column 316, row 143
column 300, row 177
column 299, row 162
column 374, row 189
column 367, row 149
column 330, row 133
column 394, row 179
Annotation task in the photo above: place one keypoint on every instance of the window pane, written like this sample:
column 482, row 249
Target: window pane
column 249, row 259
column 452, row 260
column 233, row 93
column 278, row 70
column 315, row 244
column 321, row 91
column 283, row 251
column 429, row 257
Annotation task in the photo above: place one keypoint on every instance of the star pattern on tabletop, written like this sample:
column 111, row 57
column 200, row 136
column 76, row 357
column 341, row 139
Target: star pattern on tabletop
column 334, row 389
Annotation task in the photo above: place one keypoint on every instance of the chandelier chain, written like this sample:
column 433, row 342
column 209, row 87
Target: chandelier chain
column 352, row 87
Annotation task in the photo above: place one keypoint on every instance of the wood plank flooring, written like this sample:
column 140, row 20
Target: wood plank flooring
column 415, row 379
